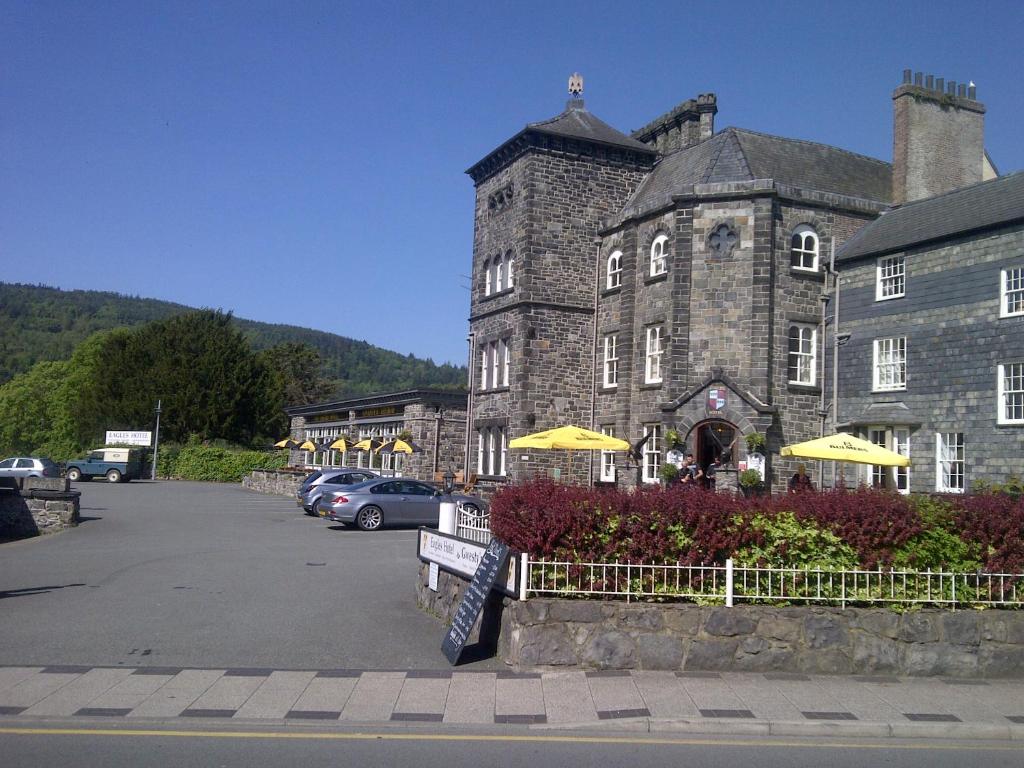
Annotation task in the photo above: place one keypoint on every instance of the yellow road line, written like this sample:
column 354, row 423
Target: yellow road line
column 529, row 738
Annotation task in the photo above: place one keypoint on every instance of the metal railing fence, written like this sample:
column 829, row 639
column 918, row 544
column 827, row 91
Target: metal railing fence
column 475, row 527
column 729, row 583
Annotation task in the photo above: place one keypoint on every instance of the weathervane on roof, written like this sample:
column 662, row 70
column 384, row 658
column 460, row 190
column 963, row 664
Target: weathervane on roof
column 575, row 84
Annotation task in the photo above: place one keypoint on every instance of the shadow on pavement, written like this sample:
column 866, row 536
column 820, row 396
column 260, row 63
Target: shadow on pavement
column 28, row 591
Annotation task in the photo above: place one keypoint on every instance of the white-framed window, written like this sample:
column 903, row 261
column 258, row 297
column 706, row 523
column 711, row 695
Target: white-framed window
column 487, row 278
column 890, row 277
column 492, row 450
column 896, row 439
column 608, row 459
column 652, row 453
column 499, row 274
column 509, row 282
column 949, row 462
column 484, row 367
column 506, row 358
column 659, row 260
column 1011, row 292
column 652, row 359
column 1010, row 384
column 611, row 360
column 803, row 253
column 495, row 364
column 614, row 272
column 889, row 366
column 803, row 353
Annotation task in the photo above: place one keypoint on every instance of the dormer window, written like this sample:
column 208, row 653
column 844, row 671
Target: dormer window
column 803, row 254
column 614, row 279
column 659, row 262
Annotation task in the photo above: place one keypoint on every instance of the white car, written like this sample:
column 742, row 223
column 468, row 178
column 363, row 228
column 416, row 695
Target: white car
column 28, row 466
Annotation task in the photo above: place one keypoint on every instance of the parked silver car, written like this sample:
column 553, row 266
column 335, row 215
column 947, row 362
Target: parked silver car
column 312, row 487
column 390, row 501
column 28, row 466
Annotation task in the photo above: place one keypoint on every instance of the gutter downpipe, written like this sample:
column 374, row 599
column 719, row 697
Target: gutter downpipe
column 835, row 357
column 593, row 355
column 824, row 298
column 471, row 339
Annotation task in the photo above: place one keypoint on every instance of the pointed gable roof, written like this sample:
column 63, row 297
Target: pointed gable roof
column 739, row 155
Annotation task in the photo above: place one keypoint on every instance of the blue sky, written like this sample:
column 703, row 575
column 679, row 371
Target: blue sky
column 302, row 162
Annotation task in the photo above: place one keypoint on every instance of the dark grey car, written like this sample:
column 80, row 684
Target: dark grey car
column 390, row 501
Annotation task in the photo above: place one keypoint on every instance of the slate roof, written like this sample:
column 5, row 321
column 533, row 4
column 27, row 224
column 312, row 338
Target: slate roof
column 735, row 154
column 980, row 206
column 577, row 122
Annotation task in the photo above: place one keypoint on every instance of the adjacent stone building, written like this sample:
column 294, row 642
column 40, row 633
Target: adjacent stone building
column 433, row 419
column 677, row 281
column 932, row 302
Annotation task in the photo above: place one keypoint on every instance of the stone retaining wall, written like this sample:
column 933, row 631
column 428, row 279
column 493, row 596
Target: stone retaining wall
column 591, row 634
column 282, row 482
column 37, row 506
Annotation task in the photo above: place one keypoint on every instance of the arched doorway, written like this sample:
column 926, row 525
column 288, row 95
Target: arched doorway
column 712, row 438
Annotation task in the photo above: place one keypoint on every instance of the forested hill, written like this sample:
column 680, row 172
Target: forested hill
column 42, row 323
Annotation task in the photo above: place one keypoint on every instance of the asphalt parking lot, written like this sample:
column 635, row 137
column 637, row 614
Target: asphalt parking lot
column 211, row 575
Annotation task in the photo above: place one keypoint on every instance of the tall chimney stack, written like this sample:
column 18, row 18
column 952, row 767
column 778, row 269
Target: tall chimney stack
column 938, row 137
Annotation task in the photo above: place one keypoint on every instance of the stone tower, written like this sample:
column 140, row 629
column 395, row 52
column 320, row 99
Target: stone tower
column 938, row 137
column 540, row 199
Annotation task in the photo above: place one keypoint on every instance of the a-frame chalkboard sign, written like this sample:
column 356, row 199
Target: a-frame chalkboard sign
column 491, row 564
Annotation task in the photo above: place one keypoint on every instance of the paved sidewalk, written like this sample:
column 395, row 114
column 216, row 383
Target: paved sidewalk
column 696, row 702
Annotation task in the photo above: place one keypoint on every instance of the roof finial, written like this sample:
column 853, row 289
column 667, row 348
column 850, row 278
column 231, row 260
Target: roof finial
column 576, row 84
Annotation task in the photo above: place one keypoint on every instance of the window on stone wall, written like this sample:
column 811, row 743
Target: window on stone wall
column 495, row 364
column 803, row 254
column 614, row 277
column 484, row 367
column 652, row 453
column 803, row 348
column 1011, row 393
column 503, row 351
column 492, row 451
column 499, row 274
column 949, row 462
column 890, row 278
column 1011, row 292
column 652, row 367
column 508, row 270
column 608, row 459
column 659, row 258
column 487, row 277
column 611, row 360
column 889, row 364
column 896, row 439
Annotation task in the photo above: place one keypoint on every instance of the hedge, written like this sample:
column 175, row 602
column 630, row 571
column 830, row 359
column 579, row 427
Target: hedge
column 830, row 529
column 196, row 461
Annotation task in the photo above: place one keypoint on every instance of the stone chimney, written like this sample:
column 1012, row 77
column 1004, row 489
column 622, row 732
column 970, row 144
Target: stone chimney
column 938, row 137
column 690, row 123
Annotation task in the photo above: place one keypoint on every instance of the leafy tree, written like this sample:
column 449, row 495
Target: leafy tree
column 297, row 366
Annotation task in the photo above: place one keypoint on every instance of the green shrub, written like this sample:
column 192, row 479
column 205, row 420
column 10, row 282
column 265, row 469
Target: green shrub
column 216, row 463
column 782, row 541
column 938, row 546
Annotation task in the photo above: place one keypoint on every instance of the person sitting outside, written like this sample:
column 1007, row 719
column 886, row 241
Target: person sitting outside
column 800, row 481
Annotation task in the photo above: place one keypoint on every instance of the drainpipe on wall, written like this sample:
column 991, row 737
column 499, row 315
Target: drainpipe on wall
column 471, row 339
column 836, row 343
column 593, row 354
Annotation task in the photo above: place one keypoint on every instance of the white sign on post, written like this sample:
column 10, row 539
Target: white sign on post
column 129, row 438
column 432, row 579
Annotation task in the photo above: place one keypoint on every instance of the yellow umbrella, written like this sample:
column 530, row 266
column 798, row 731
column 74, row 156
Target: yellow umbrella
column 572, row 439
column 366, row 444
column 287, row 443
column 342, row 444
column 399, row 446
column 844, row 447
column 309, row 445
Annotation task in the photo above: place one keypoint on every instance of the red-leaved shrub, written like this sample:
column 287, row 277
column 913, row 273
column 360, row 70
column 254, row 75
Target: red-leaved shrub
column 996, row 522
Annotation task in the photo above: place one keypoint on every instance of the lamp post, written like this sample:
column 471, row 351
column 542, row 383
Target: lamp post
column 156, row 440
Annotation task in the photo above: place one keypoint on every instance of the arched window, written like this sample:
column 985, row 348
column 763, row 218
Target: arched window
column 803, row 252
column 487, row 277
column 508, row 270
column 499, row 274
column 659, row 263
column 614, row 270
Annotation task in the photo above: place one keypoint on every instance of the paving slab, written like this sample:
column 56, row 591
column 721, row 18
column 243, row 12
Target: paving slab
column 422, row 696
column 171, row 699
column 11, row 676
column 807, row 696
column 908, row 697
column 79, row 693
column 34, row 689
column 374, row 697
column 618, row 695
column 471, row 698
column 967, row 701
column 664, row 695
column 228, row 693
column 762, row 697
column 518, row 696
column 326, row 694
column 857, row 698
column 567, row 697
column 276, row 696
column 711, row 693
